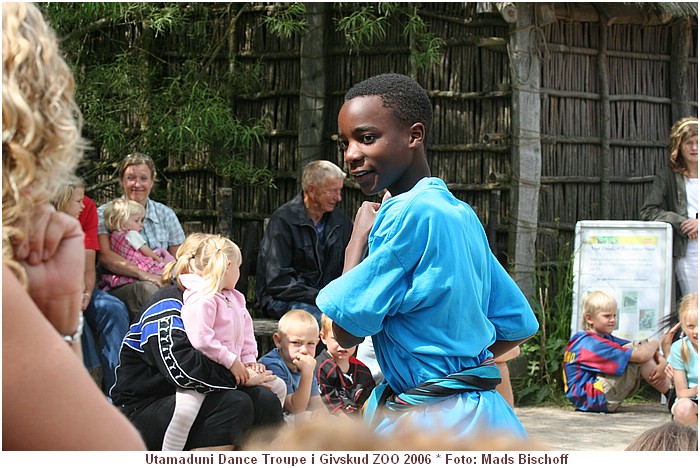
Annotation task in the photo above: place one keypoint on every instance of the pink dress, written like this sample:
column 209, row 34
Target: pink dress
column 127, row 245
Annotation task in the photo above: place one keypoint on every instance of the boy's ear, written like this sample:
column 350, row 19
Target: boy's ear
column 417, row 132
column 276, row 338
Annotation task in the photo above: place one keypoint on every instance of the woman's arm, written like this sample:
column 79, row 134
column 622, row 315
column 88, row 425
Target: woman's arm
column 115, row 263
column 118, row 265
column 49, row 382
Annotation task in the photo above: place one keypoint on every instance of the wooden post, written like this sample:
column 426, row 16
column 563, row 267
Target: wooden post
column 312, row 90
column 224, row 210
column 680, row 94
column 605, row 151
column 526, row 155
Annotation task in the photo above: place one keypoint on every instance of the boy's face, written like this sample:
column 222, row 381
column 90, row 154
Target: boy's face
column 377, row 146
column 299, row 340
column 602, row 322
column 339, row 353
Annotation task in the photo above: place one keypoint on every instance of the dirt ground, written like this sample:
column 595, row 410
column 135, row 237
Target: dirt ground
column 562, row 428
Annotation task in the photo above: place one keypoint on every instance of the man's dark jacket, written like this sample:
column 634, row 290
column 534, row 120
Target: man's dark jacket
column 292, row 265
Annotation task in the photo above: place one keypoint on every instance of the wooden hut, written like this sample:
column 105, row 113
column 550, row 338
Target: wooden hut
column 545, row 114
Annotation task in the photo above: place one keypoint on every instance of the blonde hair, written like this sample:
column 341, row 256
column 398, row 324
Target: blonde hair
column 326, row 325
column 687, row 306
column 118, row 211
column 298, row 316
column 595, row 302
column 182, row 263
column 318, row 171
column 65, row 195
column 211, row 260
column 41, row 124
column 680, row 132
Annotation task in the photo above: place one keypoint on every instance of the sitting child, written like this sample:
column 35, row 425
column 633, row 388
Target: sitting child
column 601, row 370
column 684, row 360
column 124, row 221
column 218, row 325
column 293, row 361
column 345, row 382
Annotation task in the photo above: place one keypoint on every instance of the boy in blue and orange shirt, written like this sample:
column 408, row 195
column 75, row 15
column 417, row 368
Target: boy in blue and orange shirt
column 601, row 370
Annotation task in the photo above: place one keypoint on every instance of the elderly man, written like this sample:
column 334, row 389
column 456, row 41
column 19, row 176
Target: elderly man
column 303, row 246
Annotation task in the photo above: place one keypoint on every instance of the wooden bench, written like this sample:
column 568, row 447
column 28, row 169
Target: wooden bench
column 264, row 328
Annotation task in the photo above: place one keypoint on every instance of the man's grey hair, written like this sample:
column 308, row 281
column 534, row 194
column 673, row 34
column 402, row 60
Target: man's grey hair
column 316, row 172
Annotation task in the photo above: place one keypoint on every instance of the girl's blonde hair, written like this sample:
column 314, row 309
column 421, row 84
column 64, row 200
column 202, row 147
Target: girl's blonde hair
column 118, row 211
column 687, row 306
column 596, row 302
column 680, row 132
column 41, row 124
column 183, row 258
column 211, row 260
column 65, row 195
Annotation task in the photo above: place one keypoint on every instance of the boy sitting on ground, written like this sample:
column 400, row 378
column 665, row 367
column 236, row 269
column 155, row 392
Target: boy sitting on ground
column 601, row 370
column 293, row 361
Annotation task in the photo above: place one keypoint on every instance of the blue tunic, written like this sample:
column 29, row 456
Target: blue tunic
column 434, row 298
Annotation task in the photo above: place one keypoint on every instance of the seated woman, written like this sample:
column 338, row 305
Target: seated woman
column 157, row 358
column 161, row 229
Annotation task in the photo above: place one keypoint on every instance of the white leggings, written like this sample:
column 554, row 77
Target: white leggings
column 687, row 274
column 187, row 404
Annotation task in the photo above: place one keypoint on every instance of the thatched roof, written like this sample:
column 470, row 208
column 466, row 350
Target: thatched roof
column 673, row 9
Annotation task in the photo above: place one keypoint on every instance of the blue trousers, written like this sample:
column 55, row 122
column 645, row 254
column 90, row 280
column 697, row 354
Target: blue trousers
column 107, row 318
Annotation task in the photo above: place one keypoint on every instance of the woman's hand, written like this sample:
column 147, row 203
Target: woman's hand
column 155, row 279
column 256, row 367
column 54, row 259
column 261, row 378
column 689, row 227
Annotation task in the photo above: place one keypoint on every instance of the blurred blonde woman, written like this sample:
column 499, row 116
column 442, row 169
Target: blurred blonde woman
column 43, row 255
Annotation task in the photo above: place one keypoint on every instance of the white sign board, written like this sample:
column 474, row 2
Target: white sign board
column 632, row 261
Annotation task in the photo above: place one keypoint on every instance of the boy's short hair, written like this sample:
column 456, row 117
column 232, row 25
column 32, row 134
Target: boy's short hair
column 118, row 211
column 401, row 94
column 595, row 302
column 326, row 325
column 296, row 316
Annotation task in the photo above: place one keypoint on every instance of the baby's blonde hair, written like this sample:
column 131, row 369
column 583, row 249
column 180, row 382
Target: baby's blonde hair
column 211, row 261
column 183, row 257
column 687, row 306
column 595, row 302
column 297, row 316
column 41, row 124
column 118, row 211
